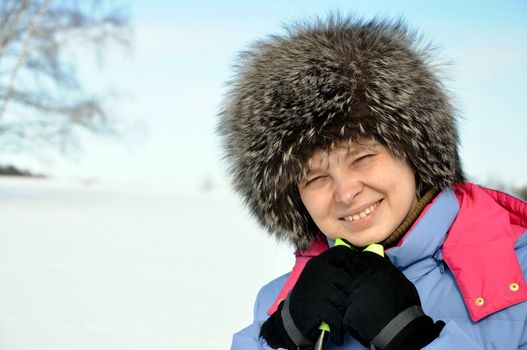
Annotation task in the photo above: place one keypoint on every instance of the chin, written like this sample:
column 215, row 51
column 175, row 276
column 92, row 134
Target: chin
column 364, row 240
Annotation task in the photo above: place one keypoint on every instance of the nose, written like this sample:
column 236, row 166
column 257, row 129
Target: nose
column 346, row 187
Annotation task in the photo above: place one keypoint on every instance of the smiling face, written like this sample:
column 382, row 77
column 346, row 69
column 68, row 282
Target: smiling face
column 360, row 193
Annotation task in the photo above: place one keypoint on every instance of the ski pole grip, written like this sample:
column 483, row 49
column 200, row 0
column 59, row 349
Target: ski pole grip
column 324, row 326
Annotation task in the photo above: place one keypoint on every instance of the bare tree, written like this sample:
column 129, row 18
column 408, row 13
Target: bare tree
column 42, row 101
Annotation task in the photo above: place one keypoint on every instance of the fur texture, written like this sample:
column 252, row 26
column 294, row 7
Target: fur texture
column 318, row 84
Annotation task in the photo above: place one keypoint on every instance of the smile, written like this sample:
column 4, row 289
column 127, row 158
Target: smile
column 362, row 214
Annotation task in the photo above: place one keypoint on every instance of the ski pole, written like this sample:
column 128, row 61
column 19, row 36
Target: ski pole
column 324, row 327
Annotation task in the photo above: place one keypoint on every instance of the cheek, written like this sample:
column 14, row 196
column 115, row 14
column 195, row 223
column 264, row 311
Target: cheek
column 314, row 202
column 308, row 201
column 406, row 189
column 397, row 180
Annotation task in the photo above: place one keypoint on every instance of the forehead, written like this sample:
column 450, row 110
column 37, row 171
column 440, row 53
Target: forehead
column 321, row 156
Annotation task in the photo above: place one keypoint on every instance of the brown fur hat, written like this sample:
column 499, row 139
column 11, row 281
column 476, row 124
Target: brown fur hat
column 323, row 82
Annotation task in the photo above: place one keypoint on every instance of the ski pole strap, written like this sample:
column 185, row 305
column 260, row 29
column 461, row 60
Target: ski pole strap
column 386, row 335
column 292, row 331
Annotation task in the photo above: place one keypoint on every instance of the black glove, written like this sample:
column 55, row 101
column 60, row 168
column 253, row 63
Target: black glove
column 318, row 295
column 384, row 308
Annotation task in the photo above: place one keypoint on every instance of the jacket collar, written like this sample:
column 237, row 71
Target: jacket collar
column 475, row 231
column 426, row 237
column 480, row 249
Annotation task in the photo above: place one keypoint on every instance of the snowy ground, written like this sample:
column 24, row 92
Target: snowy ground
column 127, row 266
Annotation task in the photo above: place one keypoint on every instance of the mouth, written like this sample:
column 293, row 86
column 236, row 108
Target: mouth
column 362, row 214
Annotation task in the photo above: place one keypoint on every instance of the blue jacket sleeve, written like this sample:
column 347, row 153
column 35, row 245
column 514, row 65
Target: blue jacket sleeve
column 249, row 337
column 453, row 337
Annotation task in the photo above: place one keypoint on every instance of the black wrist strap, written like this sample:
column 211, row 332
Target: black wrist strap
column 396, row 325
column 292, row 331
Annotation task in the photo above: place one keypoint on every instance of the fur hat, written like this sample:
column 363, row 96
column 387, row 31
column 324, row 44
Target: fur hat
column 321, row 83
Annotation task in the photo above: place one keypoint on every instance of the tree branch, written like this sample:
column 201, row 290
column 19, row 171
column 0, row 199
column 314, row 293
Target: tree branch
column 23, row 55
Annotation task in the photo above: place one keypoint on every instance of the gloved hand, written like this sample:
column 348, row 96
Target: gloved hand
column 384, row 308
column 318, row 295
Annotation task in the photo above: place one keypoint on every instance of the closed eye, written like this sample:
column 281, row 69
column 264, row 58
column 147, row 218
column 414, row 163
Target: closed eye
column 364, row 157
column 314, row 180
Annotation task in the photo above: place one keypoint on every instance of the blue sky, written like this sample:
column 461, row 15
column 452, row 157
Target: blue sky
column 172, row 83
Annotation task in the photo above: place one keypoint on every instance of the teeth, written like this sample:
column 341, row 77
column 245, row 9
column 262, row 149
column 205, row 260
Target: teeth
column 362, row 214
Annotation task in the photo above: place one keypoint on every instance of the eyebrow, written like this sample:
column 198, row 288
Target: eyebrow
column 352, row 150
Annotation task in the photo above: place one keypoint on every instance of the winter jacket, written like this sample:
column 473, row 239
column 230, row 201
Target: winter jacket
column 467, row 256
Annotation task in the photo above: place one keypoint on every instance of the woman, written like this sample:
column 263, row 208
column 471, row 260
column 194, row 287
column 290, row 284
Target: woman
column 341, row 129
